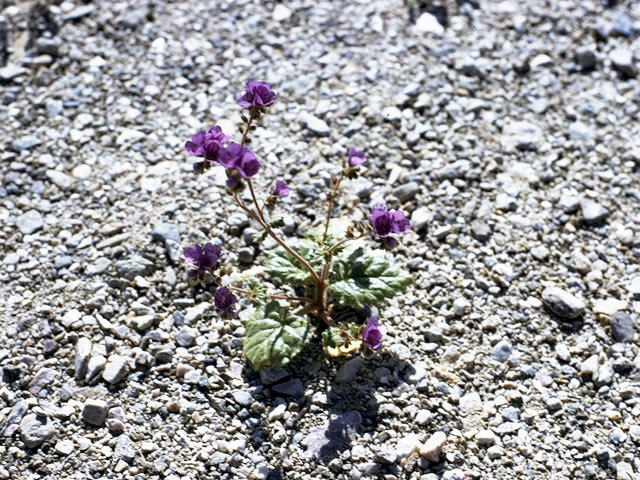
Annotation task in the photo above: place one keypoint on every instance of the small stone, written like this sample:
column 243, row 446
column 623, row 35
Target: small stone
column 290, row 388
column 60, row 179
column 95, row 367
column 407, row 445
column 115, row 425
column 502, row 351
column 427, row 23
column 495, row 452
column 35, row 430
column 245, row 254
column 634, row 286
column 41, row 380
column 424, row 417
column 569, row 201
column 406, row 192
column 579, row 262
column 186, row 336
column 592, row 212
column 79, row 12
column 116, row 369
column 95, row 411
column 64, row 447
column 277, row 413
column 134, row 266
column 30, row 222
column 166, row 231
column 281, row 13
column 314, row 124
column 609, row 306
column 624, row 471
column 586, row 57
column 621, row 327
column 590, row 367
column 25, row 143
column 562, row 303
column 192, row 377
column 386, row 456
column 480, row 230
column 486, row 438
column 622, row 61
column 470, row 403
column 349, row 370
column 580, row 132
column 124, row 450
column 11, row 71
column 242, row 398
column 521, row 136
column 540, row 253
column 432, row 448
column 420, row 218
column 143, row 322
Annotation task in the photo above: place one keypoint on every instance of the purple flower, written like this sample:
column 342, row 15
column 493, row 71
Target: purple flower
column 257, row 94
column 204, row 258
column 224, row 300
column 207, row 144
column 372, row 334
column 356, row 157
column 281, row 189
column 241, row 158
column 385, row 222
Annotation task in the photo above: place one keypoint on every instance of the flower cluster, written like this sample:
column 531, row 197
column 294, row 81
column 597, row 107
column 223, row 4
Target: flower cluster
column 203, row 258
column 385, row 222
column 256, row 94
column 372, row 334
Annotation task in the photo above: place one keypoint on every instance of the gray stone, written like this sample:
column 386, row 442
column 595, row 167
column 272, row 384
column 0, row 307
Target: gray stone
column 562, row 303
column 15, row 415
column 60, row 179
column 245, row 254
column 242, row 398
column 486, row 438
column 386, row 455
column 590, row 367
column 271, row 375
column 64, row 447
column 502, row 351
column 324, row 441
column 634, row 286
column 124, row 450
column 579, row 262
column 25, row 143
column 35, row 430
column 11, row 71
column 406, row 192
column 79, row 12
column 427, row 23
column 622, row 61
column 280, row 13
column 621, row 327
column 134, row 266
column 581, row 132
column 586, row 57
column 432, row 448
column 116, row 369
column 592, row 212
column 42, row 379
column 186, row 336
column 349, row 370
column 95, row 367
column 291, row 388
column 480, row 230
column 622, row 24
column 314, row 124
column 48, row 46
column 521, row 136
column 166, row 231
column 83, row 350
column 95, row 411
column 30, row 222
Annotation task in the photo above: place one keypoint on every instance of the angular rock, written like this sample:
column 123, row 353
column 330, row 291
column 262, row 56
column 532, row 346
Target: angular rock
column 586, row 57
column 95, row 411
column 314, row 124
column 406, row 192
column 349, row 370
column 30, row 222
column 433, row 447
column 95, row 367
column 25, row 143
column 186, row 336
column 116, row 369
column 622, row 61
column 35, row 430
column 621, row 327
column 124, row 450
column 592, row 212
column 521, row 136
column 83, row 350
column 11, row 71
column 42, row 379
column 480, row 230
column 427, row 23
column 134, row 266
column 60, row 179
column 562, row 303
column 290, row 388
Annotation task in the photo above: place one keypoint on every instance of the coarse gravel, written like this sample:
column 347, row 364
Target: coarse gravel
column 507, row 130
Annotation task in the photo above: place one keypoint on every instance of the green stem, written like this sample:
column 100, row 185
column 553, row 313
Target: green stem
column 332, row 196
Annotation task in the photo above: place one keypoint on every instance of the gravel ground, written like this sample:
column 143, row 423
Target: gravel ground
column 507, row 130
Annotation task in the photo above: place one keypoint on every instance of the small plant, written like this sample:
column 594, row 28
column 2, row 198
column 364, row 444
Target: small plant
column 332, row 270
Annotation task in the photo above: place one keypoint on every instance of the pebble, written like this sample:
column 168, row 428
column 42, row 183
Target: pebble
column 186, row 336
column 562, row 303
column 95, row 367
column 634, row 286
column 11, row 71
column 432, row 448
column 314, row 124
column 281, row 13
column 486, row 438
column 95, row 411
column 30, row 222
column 41, row 380
column 424, row 417
column 64, row 447
column 242, row 398
column 608, row 306
column 427, row 23
column 134, row 266
column 592, row 212
column 25, row 143
column 60, row 179
column 521, row 135
column 586, row 57
column 420, row 218
column 406, row 192
column 590, row 367
column 621, row 327
column 35, row 430
column 349, row 369
column 480, row 230
column 579, row 262
column 622, row 60
column 407, row 445
column 124, row 450
column 290, row 388
column 116, row 369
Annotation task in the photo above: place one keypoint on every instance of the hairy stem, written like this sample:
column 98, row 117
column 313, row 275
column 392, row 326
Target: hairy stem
column 332, row 197
column 342, row 242
column 277, row 297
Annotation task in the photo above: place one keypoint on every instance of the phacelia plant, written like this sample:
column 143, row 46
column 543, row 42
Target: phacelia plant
column 333, row 269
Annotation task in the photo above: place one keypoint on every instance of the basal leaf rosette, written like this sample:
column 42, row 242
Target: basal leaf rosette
column 273, row 336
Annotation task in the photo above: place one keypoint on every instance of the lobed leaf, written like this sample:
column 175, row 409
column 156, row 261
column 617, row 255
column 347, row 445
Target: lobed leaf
column 366, row 279
column 282, row 265
column 273, row 336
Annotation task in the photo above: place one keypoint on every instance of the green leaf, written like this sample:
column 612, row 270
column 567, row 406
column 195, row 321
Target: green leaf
column 273, row 336
column 258, row 295
column 284, row 266
column 366, row 279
